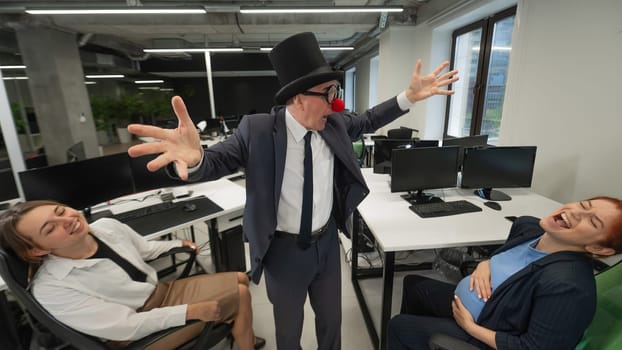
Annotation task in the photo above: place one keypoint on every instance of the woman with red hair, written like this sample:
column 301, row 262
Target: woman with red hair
column 537, row 291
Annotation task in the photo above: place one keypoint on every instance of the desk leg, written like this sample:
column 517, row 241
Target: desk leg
column 368, row 156
column 357, row 229
column 387, row 296
column 214, row 246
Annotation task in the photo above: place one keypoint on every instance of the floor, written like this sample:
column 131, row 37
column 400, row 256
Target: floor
column 354, row 332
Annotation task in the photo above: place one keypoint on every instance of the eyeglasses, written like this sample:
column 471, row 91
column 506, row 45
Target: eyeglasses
column 330, row 93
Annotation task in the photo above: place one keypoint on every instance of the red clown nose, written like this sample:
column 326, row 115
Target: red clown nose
column 338, row 105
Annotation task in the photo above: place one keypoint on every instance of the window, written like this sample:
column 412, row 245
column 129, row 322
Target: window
column 350, row 87
column 480, row 52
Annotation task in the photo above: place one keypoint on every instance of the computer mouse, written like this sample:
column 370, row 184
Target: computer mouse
column 188, row 207
column 493, row 205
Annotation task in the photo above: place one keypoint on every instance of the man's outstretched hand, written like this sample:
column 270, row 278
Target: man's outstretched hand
column 422, row 87
column 181, row 146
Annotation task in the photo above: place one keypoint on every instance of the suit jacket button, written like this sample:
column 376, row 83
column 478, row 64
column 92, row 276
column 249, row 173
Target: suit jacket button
column 257, row 260
column 270, row 237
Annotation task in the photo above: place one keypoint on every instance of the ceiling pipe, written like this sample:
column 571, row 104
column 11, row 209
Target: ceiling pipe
column 84, row 38
column 369, row 41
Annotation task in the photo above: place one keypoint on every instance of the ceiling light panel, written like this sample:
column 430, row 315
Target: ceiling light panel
column 317, row 9
column 113, row 11
column 231, row 49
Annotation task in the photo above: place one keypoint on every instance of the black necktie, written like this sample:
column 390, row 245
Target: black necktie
column 304, row 238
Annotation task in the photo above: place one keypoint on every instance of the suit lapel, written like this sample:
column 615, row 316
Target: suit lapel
column 340, row 145
column 280, row 150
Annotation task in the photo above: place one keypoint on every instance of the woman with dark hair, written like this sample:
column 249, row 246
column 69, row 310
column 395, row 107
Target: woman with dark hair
column 537, row 291
column 94, row 279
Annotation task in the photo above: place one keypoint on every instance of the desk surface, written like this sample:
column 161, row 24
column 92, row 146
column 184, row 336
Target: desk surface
column 208, row 142
column 230, row 196
column 397, row 228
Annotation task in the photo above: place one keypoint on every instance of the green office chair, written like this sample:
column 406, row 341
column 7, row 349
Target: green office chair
column 360, row 151
column 605, row 331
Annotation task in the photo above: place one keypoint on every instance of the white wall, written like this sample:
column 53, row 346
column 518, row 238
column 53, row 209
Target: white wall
column 562, row 93
column 362, row 84
column 400, row 47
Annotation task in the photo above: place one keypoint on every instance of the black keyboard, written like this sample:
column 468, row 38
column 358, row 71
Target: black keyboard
column 161, row 216
column 144, row 211
column 433, row 210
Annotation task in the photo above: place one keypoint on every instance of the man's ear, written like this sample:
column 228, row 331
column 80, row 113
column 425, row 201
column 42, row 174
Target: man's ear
column 599, row 250
column 36, row 252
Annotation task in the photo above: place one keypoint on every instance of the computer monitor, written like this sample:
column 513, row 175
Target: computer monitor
column 418, row 169
column 465, row 142
column 232, row 121
column 80, row 184
column 426, row 143
column 76, row 152
column 8, row 187
column 401, row 133
column 382, row 153
column 212, row 125
column 145, row 180
column 485, row 168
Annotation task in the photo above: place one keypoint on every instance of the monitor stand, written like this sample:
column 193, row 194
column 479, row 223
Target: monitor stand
column 492, row 195
column 420, row 198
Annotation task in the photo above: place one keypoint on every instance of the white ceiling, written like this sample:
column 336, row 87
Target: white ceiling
column 130, row 34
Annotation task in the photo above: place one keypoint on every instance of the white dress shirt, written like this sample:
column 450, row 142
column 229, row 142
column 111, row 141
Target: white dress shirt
column 290, row 202
column 97, row 297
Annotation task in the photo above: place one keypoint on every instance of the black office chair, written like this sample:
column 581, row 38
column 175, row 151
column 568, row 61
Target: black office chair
column 14, row 272
column 401, row 133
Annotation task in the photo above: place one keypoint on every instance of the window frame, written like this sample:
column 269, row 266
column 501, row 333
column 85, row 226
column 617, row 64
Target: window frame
column 479, row 89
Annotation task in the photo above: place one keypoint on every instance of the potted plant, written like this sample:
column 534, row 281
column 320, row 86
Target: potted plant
column 127, row 110
column 101, row 109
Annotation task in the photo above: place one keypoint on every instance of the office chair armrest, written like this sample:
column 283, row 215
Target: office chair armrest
column 145, row 341
column 445, row 342
column 212, row 334
column 192, row 254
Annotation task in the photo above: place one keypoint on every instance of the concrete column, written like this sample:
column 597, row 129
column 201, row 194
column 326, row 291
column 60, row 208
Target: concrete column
column 56, row 83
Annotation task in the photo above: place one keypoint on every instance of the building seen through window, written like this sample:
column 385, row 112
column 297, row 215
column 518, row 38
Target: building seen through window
column 481, row 52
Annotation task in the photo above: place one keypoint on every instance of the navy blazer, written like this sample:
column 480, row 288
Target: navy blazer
column 546, row 305
column 259, row 146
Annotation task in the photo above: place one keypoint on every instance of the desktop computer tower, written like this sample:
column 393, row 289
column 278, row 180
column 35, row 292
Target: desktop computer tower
column 229, row 252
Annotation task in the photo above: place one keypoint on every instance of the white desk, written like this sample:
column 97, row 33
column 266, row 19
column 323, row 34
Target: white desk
column 212, row 140
column 396, row 228
column 230, row 196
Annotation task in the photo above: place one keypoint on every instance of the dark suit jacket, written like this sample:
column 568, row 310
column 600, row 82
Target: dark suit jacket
column 546, row 305
column 259, row 145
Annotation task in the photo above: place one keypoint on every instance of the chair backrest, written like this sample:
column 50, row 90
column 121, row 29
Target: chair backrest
column 400, row 133
column 605, row 331
column 359, row 149
column 14, row 272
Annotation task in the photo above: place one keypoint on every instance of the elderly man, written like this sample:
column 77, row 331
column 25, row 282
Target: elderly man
column 302, row 179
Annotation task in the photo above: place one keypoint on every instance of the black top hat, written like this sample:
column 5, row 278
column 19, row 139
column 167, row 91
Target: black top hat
column 300, row 65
